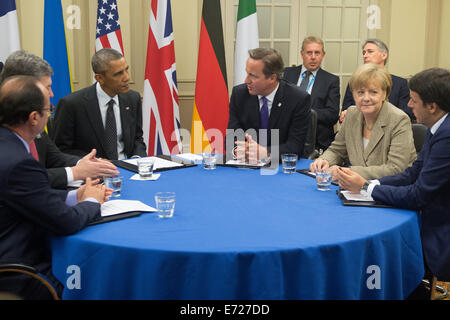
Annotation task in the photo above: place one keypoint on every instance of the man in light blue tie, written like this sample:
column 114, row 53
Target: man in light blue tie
column 321, row 85
column 265, row 101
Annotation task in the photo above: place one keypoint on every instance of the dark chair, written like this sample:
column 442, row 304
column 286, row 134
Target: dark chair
column 309, row 150
column 17, row 268
column 419, row 134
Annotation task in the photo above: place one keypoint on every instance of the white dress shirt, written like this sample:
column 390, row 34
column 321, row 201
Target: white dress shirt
column 103, row 99
column 311, row 79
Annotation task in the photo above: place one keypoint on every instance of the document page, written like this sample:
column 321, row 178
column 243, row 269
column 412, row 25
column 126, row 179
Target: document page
column 356, row 196
column 113, row 207
column 190, row 157
column 260, row 163
column 159, row 163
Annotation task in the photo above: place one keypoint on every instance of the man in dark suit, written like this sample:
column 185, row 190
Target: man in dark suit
column 425, row 186
column 321, row 85
column 106, row 116
column 30, row 210
column 63, row 169
column 265, row 102
column 376, row 51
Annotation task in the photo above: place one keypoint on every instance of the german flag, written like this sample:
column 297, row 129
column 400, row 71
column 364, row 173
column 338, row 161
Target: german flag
column 210, row 115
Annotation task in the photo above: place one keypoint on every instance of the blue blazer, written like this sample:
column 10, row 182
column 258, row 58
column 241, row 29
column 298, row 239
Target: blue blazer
column 399, row 96
column 30, row 210
column 425, row 187
column 290, row 114
column 325, row 99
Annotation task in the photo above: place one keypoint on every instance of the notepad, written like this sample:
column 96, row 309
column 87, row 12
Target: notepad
column 356, row 196
column 114, row 207
column 159, row 163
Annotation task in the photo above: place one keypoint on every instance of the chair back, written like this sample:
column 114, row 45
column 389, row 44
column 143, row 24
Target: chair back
column 28, row 272
column 310, row 143
column 419, row 133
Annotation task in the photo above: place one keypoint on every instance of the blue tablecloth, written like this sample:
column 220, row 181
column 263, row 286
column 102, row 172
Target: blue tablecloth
column 237, row 234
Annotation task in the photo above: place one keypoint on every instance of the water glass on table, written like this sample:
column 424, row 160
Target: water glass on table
column 165, row 204
column 323, row 179
column 209, row 161
column 145, row 167
column 114, row 183
column 289, row 162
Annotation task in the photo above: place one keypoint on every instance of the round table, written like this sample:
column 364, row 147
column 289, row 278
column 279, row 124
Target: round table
column 239, row 234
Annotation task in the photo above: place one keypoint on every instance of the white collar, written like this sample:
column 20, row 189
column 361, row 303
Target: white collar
column 103, row 97
column 313, row 72
column 271, row 95
column 437, row 124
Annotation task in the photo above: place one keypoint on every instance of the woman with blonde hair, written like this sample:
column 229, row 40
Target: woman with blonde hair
column 376, row 137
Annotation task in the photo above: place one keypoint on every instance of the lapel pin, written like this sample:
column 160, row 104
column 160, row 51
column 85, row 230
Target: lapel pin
column 127, row 108
column 279, row 104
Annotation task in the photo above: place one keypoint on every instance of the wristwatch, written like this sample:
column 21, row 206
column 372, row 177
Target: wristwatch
column 365, row 186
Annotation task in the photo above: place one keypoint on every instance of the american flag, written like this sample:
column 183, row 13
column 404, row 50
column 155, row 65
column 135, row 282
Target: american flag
column 108, row 33
column 161, row 118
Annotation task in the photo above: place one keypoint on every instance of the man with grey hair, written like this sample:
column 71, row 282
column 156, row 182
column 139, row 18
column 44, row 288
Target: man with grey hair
column 376, row 51
column 106, row 116
column 63, row 169
column 265, row 101
column 321, row 85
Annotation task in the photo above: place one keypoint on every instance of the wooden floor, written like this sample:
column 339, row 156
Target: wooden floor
column 444, row 285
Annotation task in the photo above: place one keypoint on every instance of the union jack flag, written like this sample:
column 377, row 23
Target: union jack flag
column 108, row 34
column 161, row 117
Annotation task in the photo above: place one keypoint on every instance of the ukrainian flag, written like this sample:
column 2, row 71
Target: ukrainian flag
column 56, row 51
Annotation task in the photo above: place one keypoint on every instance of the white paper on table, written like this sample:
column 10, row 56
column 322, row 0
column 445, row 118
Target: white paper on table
column 159, row 163
column 260, row 163
column 155, row 176
column 113, row 207
column 356, row 196
column 190, row 157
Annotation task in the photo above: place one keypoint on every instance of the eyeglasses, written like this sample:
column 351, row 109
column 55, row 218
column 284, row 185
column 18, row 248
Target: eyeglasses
column 50, row 109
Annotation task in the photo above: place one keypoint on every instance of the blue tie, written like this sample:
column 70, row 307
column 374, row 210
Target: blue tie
column 264, row 114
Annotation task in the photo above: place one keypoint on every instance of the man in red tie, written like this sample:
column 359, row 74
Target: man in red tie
column 29, row 209
column 63, row 169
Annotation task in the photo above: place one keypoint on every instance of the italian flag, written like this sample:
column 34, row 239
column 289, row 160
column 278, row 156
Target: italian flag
column 246, row 37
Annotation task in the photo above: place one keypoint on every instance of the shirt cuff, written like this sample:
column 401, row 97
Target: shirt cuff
column 372, row 185
column 70, row 180
column 72, row 200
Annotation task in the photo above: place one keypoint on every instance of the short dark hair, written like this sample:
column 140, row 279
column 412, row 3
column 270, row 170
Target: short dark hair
column 24, row 63
column 433, row 85
column 272, row 60
column 17, row 101
column 102, row 58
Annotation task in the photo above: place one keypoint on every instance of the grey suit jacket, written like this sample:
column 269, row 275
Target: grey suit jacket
column 391, row 146
column 79, row 126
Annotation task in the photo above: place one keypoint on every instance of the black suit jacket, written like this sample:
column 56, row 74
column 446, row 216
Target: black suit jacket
column 30, row 210
column 325, row 99
column 399, row 96
column 54, row 160
column 79, row 127
column 425, row 187
column 290, row 114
